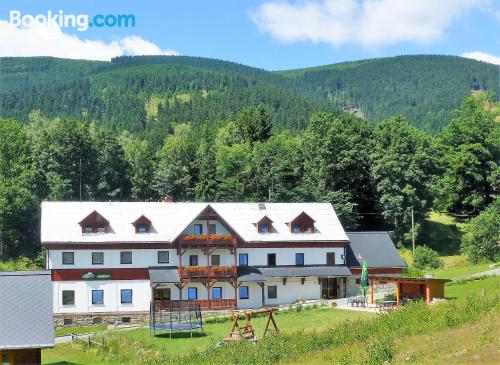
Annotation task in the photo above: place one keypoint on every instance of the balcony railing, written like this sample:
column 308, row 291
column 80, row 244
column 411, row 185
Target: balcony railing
column 207, row 271
column 166, row 304
column 204, row 240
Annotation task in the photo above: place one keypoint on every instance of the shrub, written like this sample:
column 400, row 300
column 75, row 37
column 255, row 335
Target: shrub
column 483, row 234
column 380, row 351
column 426, row 258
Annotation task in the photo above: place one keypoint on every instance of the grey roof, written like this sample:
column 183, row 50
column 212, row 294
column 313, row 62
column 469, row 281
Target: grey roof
column 250, row 274
column 26, row 319
column 164, row 274
column 301, row 271
column 376, row 248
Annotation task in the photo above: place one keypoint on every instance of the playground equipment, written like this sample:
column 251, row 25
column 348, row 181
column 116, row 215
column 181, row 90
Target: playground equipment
column 247, row 331
column 175, row 315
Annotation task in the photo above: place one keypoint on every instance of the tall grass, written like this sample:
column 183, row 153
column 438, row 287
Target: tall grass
column 376, row 335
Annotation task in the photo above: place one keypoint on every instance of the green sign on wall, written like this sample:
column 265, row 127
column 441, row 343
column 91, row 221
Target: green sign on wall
column 92, row 276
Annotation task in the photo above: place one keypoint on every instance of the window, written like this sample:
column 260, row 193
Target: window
column 126, row 296
column 97, row 258
column 97, row 296
column 244, row 292
column 264, row 228
column 125, row 319
column 299, row 259
column 296, row 228
column 101, row 230
column 216, row 292
column 358, row 281
column 68, row 258
column 163, row 257
column 215, row 260
column 192, row 293
column 162, row 294
column 212, row 229
column 193, row 260
column 243, row 259
column 67, row 321
column 272, row 292
column 198, row 228
column 68, row 297
column 330, row 258
column 142, row 228
column 87, row 230
column 125, row 257
column 271, row 259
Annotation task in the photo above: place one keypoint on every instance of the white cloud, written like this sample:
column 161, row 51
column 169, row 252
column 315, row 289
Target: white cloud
column 50, row 40
column 369, row 23
column 481, row 56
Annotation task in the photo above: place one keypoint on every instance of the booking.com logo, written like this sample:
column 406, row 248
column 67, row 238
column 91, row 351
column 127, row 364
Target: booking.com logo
column 79, row 21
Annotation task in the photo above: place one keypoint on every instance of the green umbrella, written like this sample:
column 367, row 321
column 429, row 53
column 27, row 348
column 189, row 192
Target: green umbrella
column 364, row 279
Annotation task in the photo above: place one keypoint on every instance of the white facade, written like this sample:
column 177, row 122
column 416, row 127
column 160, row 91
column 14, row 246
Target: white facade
column 141, row 296
column 63, row 231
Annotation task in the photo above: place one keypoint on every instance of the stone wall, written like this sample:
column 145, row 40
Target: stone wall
column 107, row 318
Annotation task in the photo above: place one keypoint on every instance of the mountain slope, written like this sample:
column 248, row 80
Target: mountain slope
column 425, row 89
column 147, row 94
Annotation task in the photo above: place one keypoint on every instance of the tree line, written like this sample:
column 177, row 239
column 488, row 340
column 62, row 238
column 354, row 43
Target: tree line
column 374, row 175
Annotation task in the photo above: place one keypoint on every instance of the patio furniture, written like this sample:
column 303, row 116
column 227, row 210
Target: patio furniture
column 387, row 305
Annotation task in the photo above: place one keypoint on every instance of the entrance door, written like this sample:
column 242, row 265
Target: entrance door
column 329, row 288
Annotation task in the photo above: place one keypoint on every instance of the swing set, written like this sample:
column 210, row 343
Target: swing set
column 247, row 330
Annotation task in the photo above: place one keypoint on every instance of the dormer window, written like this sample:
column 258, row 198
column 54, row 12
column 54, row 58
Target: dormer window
column 302, row 223
column 264, row 225
column 142, row 224
column 94, row 223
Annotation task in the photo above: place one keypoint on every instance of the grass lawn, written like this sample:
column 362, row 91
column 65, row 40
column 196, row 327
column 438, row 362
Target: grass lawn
column 460, row 291
column 457, row 266
column 321, row 318
column 473, row 343
column 61, row 331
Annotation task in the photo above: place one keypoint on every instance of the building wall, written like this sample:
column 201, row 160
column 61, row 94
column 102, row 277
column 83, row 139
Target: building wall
column 21, row 356
column 254, row 297
column 293, row 290
column 219, row 228
column 141, row 296
column 286, row 256
column 83, row 259
column 227, row 290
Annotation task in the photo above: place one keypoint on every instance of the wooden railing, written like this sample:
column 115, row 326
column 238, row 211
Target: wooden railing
column 207, row 271
column 203, row 303
column 208, row 240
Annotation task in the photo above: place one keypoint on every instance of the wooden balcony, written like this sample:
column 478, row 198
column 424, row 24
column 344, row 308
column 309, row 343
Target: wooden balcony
column 205, row 304
column 194, row 272
column 208, row 240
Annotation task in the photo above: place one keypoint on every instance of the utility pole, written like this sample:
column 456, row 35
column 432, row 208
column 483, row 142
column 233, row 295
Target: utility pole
column 80, row 179
column 413, row 229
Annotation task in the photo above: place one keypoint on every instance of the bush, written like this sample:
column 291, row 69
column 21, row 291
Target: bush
column 426, row 258
column 483, row 234
column 380, row 351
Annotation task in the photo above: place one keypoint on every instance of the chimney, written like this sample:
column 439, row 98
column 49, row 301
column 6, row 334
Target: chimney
column 168, row 199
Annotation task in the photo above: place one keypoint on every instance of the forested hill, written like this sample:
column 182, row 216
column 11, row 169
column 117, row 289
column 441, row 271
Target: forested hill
column 149, row 94
column 425, row 89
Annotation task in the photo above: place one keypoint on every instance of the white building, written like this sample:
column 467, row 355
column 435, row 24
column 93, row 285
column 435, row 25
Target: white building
column 111, row 260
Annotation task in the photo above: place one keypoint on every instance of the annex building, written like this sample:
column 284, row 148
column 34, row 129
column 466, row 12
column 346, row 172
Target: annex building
column 110, row 261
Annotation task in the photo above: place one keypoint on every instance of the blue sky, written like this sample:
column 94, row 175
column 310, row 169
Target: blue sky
column 267, row 34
